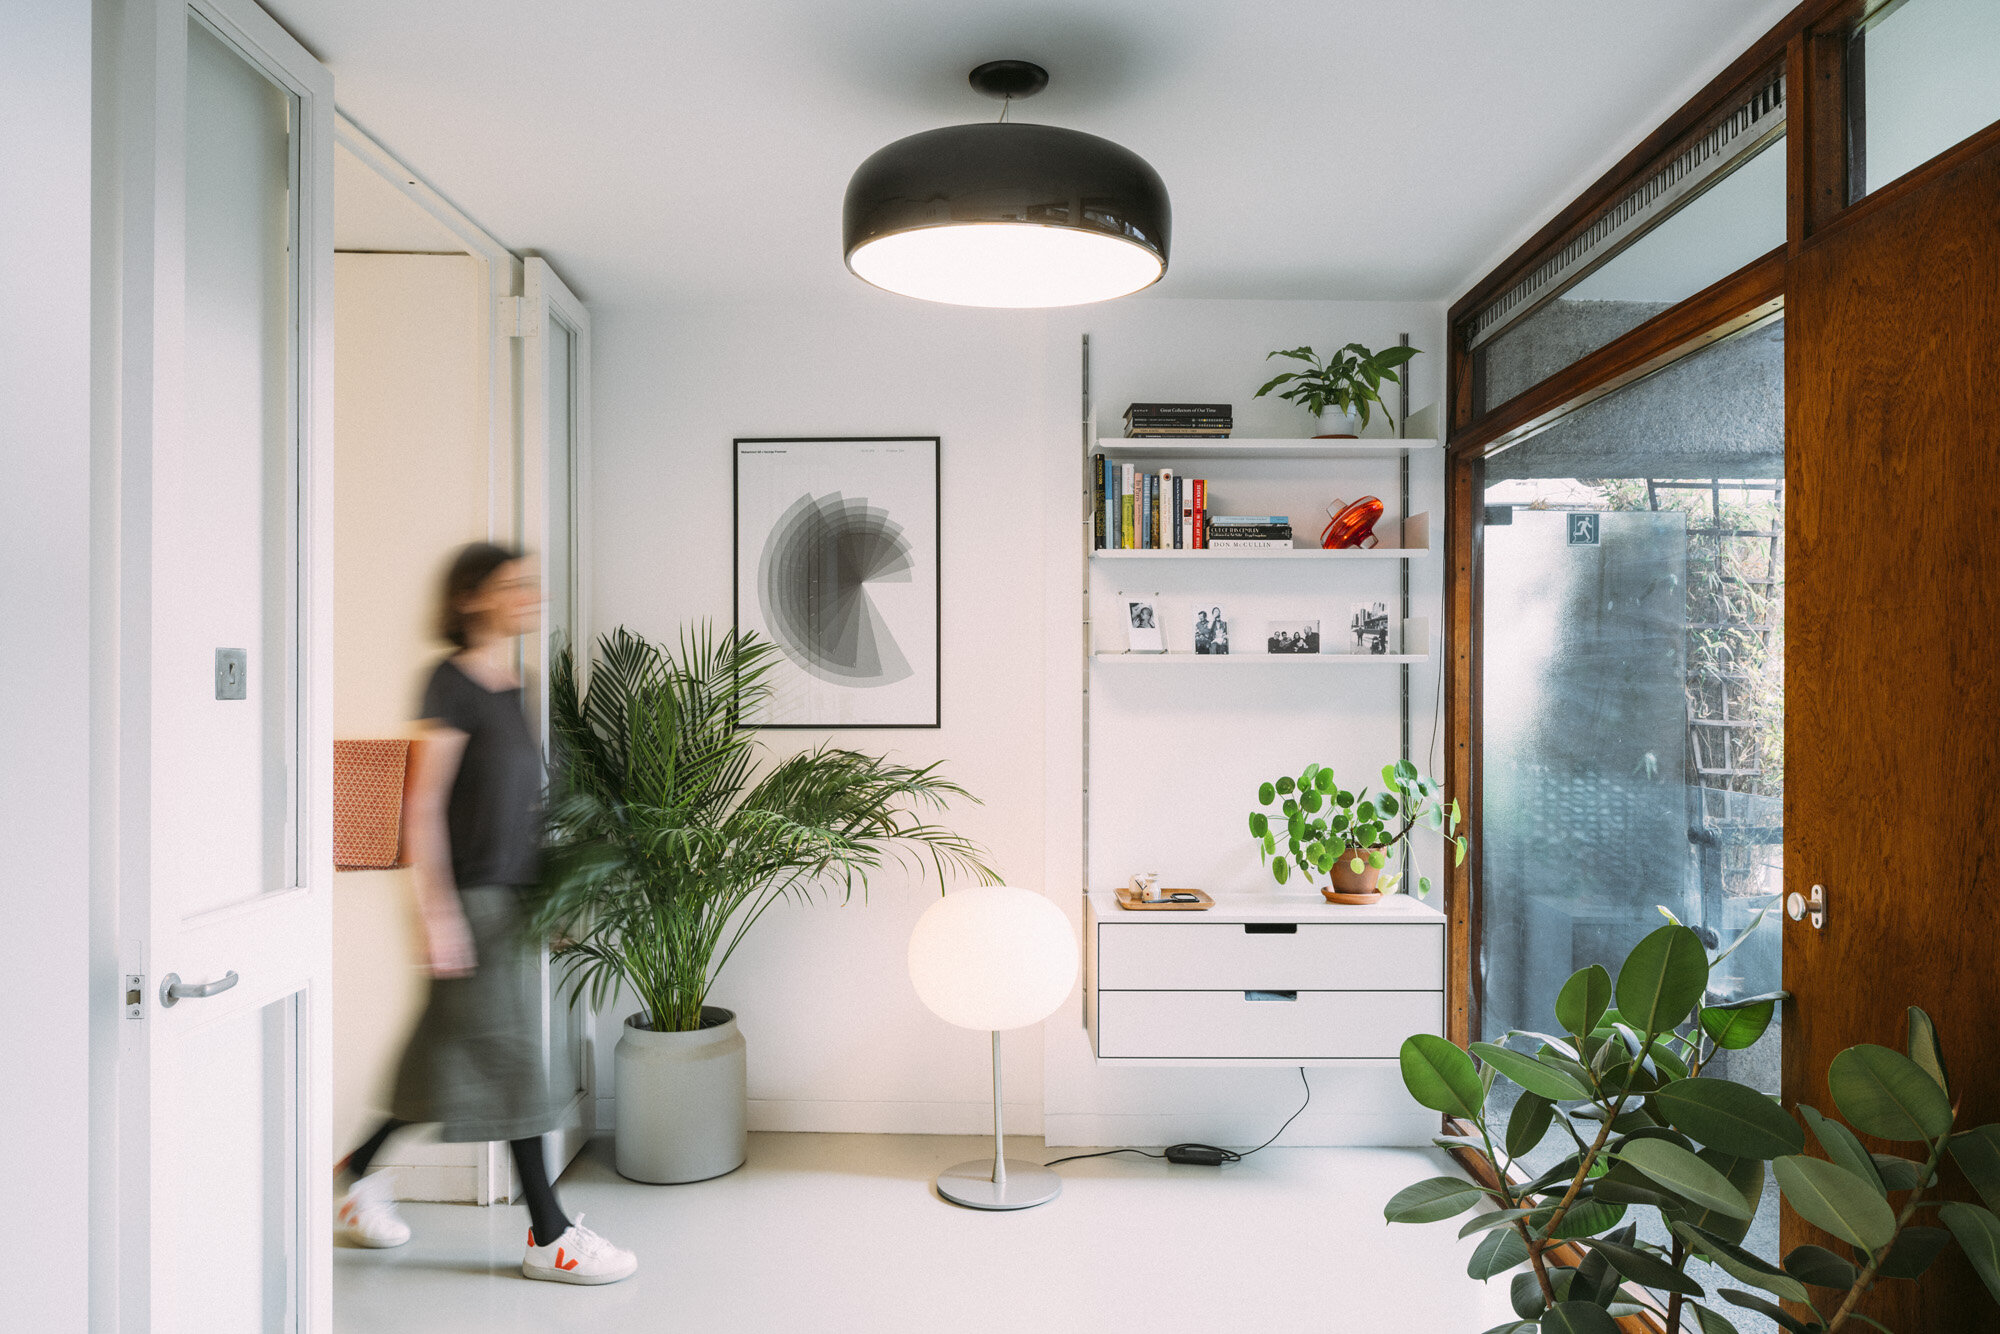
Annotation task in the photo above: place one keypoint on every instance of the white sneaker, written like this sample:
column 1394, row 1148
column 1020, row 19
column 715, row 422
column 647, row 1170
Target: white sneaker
column 366, row 1215
column 578, row 1256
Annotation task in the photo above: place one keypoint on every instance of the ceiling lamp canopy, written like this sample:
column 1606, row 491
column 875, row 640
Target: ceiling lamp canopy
column 1005, row 214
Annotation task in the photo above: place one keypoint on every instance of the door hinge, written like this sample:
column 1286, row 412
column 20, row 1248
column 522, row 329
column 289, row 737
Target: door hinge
column 135, row 995
column 514, row 321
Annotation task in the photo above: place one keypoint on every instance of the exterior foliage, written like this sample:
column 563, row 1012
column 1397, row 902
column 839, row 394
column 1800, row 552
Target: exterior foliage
column 1321, row 823
column 1623, row 1081
column 668, row 845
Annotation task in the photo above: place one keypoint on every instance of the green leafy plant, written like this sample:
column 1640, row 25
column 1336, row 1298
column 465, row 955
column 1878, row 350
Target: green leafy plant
column 1624, row 1082
column 667, row 845
column 1321, row 823
column 1351, row 379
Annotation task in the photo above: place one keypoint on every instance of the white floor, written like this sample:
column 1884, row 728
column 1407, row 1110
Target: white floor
column 823, row 1234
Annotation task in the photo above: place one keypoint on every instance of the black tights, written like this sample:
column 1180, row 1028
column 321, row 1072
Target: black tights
column 544, row 1211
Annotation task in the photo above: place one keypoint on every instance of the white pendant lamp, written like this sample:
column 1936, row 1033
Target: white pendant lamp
column 1007, row 214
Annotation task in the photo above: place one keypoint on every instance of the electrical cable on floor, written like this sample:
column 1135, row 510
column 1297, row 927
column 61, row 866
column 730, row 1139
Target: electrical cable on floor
column 1209, row 1153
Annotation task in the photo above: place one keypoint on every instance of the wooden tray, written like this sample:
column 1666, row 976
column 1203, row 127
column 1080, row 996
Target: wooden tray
column 1202, row 901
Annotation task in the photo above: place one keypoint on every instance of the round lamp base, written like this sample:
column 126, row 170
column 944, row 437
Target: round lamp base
column 972, row 1185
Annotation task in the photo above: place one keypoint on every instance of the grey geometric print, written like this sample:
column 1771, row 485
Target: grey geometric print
column 812, row 580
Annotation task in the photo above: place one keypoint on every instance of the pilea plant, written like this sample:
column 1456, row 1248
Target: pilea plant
column 1320, row 822
column 1650, row 1131
column 1350, row 380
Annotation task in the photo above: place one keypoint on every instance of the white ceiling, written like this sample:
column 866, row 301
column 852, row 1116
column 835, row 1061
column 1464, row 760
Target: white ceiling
column 663, row 150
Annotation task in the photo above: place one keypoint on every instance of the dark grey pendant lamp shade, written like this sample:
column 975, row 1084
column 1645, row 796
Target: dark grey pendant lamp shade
column 1005, row 214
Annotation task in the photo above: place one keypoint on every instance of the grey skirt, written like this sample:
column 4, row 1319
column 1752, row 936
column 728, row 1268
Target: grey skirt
column 475, row 1062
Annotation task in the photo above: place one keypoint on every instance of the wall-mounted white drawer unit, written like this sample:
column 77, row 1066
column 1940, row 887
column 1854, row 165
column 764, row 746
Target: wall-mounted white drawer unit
column 1265, row 978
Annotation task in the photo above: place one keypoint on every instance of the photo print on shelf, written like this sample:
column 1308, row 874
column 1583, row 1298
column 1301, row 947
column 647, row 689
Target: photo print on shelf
column 1144, row 622
column 1292, row 637
column 1211, row 631
column 1368, row 628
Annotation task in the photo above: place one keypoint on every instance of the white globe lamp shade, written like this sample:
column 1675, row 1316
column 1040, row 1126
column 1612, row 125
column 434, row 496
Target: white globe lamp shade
column 993, row 957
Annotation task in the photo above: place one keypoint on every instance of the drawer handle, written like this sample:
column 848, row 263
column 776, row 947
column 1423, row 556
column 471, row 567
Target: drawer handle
column 1270, row 995
column 1270, row 928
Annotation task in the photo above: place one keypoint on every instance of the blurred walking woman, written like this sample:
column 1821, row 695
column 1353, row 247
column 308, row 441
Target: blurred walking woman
column 474, row 834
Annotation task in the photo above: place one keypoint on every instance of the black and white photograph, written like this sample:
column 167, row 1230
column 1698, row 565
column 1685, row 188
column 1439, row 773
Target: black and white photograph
column 1368, row 628
column 1211, row 631
column 837, row 564
column 1292, row 637
column 1144, row 619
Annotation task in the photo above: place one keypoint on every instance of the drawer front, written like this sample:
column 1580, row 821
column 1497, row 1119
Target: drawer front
column 1224, row 1025
column 1222, row 956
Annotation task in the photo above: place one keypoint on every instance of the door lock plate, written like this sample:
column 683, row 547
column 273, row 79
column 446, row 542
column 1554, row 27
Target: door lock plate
column 232, row 673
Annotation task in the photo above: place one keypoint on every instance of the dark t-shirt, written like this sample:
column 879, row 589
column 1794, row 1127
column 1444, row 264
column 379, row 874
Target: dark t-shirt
column 494, row 817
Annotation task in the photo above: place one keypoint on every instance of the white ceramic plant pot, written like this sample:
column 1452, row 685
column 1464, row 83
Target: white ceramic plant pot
column 681, row 1101
column 1337, row 423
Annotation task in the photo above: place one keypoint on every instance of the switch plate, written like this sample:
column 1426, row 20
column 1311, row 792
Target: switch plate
column 232, row 673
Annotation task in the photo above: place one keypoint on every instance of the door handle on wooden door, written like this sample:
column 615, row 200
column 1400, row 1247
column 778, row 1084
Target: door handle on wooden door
column 1799, row 905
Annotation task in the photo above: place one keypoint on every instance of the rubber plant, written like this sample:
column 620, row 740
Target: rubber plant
column 1350, row 380
column 1649, row 1131
column 1320, row 822
column 669, row 839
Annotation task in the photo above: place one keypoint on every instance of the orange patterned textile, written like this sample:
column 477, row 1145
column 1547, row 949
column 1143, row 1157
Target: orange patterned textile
column 368, row 804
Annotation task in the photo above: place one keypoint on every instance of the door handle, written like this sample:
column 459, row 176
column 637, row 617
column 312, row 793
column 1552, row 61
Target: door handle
column 172, row 989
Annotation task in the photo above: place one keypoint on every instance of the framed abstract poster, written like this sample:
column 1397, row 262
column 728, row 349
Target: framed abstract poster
column 837, row 564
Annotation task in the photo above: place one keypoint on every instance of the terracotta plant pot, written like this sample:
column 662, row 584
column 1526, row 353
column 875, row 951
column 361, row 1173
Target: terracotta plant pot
column 1346, row 881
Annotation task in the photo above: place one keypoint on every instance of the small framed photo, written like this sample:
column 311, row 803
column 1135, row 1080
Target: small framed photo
column 1211, row 631
column 1292, row 637
column 1368, row 628
column 1143, row 621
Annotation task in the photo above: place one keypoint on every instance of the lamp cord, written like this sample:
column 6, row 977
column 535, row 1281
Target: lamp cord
column 1006, row 105
column 1228, row 1155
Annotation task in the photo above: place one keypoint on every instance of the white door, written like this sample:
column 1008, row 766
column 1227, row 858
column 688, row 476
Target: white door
column 222, row 592
column 555, row 419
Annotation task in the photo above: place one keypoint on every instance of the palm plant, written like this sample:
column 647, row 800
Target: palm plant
column 667, row 845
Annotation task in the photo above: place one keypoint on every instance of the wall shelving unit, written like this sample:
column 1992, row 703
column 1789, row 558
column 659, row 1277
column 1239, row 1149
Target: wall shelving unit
column 1244, row 983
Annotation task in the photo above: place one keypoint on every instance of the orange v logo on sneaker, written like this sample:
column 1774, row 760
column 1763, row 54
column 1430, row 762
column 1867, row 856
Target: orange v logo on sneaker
column 559, row 1260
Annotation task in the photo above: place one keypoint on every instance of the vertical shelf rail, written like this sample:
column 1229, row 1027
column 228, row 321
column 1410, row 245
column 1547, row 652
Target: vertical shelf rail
column 1403, row 473
column 1089, row 507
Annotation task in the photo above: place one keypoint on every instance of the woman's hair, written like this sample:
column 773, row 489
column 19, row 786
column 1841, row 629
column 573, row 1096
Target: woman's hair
column 467, row 574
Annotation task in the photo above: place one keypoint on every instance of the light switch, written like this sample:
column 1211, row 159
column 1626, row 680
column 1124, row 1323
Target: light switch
column 232, row 671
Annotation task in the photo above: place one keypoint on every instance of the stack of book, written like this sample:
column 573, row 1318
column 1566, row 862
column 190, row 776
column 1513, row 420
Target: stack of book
column 1251, row 532
column 1171, row 421
column 1148, row 511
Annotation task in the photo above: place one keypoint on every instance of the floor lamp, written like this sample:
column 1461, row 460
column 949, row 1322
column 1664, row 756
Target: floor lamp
column 994, row 958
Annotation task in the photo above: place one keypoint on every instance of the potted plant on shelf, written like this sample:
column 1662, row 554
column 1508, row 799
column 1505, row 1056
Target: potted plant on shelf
column 667, row 848
column 1348, row 836
column 1337, row 391
column 1648, row 1136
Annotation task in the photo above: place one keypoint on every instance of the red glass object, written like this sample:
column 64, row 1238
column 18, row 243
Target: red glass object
column 1354, row 526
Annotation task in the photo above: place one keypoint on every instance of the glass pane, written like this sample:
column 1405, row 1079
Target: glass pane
column 560, row 564
column 1922, row 75
column 1733, row 222
column 239, row 440
column 235, row 1199
column 1633, row 694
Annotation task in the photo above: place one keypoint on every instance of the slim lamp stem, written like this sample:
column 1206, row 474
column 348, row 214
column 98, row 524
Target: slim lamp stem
column 999, row 1142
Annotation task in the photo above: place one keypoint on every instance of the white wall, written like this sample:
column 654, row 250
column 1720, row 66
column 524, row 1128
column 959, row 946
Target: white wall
column 838, row 1040
column 411, row 485
column 45, row 716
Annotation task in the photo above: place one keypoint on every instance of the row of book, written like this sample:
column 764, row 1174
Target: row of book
column 1159, row 511
column 1178, row 421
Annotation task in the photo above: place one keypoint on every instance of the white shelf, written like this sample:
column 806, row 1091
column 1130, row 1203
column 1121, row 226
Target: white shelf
column 1236, row 447
column 1245, row 659
column 1416, row 542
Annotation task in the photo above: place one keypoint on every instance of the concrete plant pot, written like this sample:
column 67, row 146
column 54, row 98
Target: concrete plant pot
column 681, row 1100
column 1337, row 425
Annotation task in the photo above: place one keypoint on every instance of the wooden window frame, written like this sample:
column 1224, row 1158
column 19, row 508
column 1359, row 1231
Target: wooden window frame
column 1811, row 44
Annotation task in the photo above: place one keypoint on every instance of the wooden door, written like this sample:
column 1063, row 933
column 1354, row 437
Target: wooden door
column 1893, row 656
